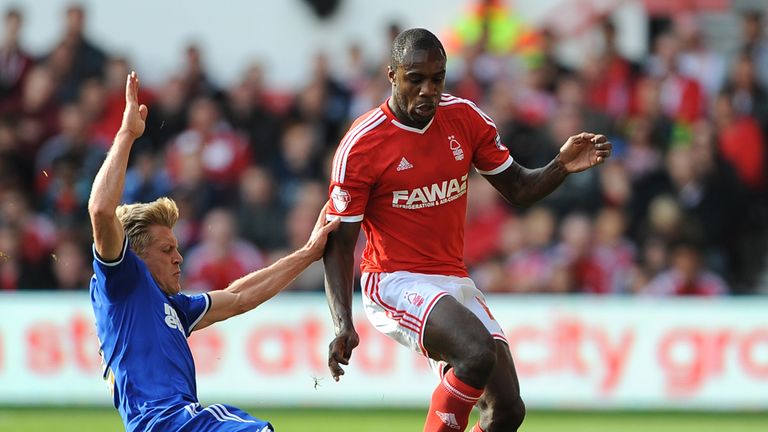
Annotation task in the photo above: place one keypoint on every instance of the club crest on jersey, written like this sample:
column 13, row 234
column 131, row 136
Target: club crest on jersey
column 458, row 153
column 340, row 198
column 499, row 145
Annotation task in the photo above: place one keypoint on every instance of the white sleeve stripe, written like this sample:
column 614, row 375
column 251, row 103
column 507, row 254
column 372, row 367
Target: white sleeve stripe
column 345, row 156
column 347, row 137
column 352, row 132
column 111, row 264
column 340, row 164
column 202, row 314
column 498, row 169
column 355, row 218
column 483, row 115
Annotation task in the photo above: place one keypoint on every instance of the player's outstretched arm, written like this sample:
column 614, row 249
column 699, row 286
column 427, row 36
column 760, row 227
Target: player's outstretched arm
column 522, row 186
column 107, row 187
column 261, row 285
column 339, row 278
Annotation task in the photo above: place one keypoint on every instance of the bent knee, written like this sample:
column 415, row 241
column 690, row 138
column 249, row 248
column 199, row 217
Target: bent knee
column 479, row 359
column 505, row 416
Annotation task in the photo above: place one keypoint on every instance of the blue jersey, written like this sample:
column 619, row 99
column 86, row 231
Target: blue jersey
column 143, row 335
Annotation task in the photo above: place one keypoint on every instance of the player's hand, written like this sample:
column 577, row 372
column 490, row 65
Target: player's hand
column 340, row 350
column 317, row 240
column 135, row 115
column 584, row 151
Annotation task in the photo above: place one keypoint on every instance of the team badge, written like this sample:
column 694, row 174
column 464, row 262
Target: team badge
column 499, row 145
column 340, row 198
column 458, row 153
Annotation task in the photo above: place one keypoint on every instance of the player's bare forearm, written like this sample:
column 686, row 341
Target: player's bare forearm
column 521, row 186
column 339, row 275
column 108, row 185
column 338, row 260
column 255, row 288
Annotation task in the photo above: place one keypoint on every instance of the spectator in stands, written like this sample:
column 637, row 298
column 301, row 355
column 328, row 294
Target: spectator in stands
column 552, row 68
column 574, row 257
column 642, row 156
column 195, row 79
column 15, row 62
column 70, row 266
column 145, row 180
column 247, row 112
column 38, row 116
column 223, row 153
column 696, row 58
column 687, row 276
column 69, row 161
column 577, row 193
column 748, row 96
column 310, row 198
column 530, row 266
column 610, row 76
column 167, row 117
column 613, row 252
column 615, row 185
column 194, row 196
column 682, row 98
column 323, row 104
column 297, row 162
column 222, row 256
column 647, row 106
column 87, row 59
column 36, row 233
column 486, row 211
column 15, row 168
column 102, row 99
column 755, row 42
column 570, row 93
column 15, row 273
column 741, row 142
column 260, row 214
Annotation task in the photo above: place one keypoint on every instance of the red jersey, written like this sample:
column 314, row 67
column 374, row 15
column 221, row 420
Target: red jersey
column 408, row 186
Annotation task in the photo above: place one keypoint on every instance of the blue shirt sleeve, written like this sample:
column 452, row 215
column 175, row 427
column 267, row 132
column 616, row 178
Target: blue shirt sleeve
column 120, row 277
column 191, row 309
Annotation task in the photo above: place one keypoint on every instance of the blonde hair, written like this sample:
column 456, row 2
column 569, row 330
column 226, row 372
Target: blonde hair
column 137, row 218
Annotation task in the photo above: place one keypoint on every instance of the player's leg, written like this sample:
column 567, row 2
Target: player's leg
column 454, row 334
column 221, row 418
column 501, row 407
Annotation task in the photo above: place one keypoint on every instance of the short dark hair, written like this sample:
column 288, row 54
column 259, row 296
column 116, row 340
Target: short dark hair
column 13, row 12
column 415, row 38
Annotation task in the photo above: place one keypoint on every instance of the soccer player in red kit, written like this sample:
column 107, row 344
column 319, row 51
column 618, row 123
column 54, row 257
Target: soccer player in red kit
column 401, row 172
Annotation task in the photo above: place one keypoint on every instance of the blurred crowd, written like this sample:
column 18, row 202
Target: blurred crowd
column 680, row 209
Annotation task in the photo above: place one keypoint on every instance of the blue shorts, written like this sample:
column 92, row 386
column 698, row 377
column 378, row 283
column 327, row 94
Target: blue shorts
column 214, row 418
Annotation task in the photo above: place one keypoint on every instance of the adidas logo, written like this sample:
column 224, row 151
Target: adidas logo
column 449, row 419
column 404, row 165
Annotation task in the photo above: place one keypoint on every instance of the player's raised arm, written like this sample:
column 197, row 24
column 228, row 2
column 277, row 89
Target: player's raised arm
column 339, row 264
column 259, row 286
column 523, row 187
column 107, row 188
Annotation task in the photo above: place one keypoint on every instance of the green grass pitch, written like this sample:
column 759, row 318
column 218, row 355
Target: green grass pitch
column 341, row 420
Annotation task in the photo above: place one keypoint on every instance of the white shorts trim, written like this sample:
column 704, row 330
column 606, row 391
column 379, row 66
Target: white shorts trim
column 398, row 304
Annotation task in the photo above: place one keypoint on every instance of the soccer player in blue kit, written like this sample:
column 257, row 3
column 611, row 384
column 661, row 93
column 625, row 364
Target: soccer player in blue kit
column 143, row 320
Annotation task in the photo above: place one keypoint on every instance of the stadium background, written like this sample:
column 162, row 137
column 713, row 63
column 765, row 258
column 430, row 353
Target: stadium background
column 247, row 102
